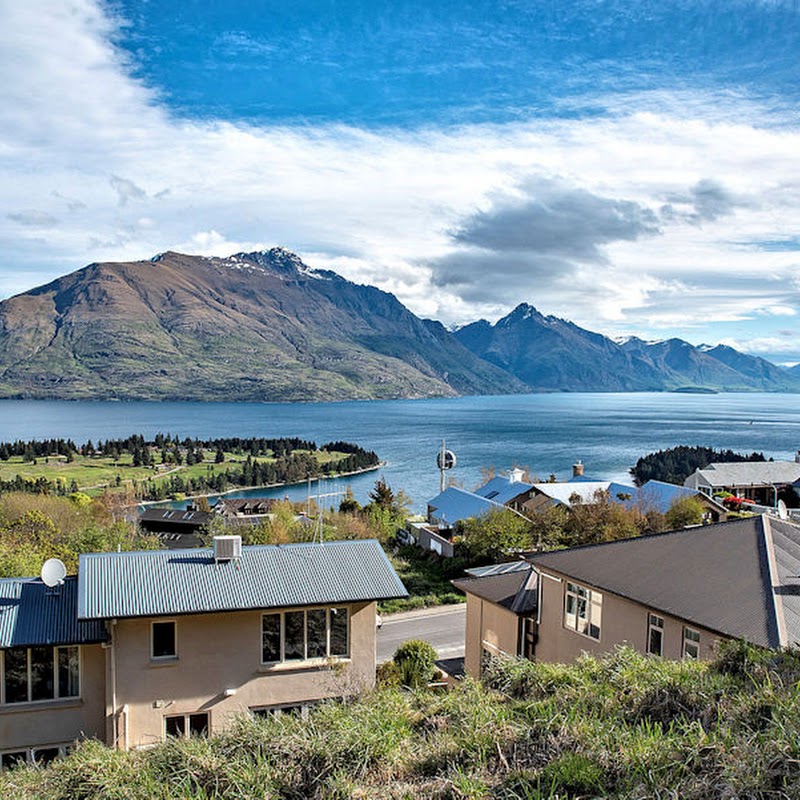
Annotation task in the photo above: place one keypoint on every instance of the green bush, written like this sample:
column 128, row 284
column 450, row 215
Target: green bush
column 416, row 662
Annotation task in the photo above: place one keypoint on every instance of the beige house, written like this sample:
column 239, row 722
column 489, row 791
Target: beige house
column 674, row 595
column 149, row 644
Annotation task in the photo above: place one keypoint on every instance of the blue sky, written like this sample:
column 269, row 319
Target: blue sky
column 632, row 166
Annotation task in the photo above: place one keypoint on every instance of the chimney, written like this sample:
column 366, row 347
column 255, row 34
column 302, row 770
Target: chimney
column 577, row 469
column 797, row 457
column 227, row 548
column 515, row 475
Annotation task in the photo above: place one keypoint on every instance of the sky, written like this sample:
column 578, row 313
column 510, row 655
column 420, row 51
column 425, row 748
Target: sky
column 632, row 166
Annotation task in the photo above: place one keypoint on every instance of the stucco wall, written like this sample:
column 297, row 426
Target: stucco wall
column 622, row 622
column 51, row 722
column 218, row 652
column 488, row 626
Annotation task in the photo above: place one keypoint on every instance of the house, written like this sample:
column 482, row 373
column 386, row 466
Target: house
column 176, row 527
column 763, row 482
column 142, row 645
column 675, row 595
column 250, row 508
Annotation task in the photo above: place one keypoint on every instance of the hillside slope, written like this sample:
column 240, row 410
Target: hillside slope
column 254, row 326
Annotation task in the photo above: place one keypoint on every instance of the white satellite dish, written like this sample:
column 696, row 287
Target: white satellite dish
column 782, row 512
column 53, row 572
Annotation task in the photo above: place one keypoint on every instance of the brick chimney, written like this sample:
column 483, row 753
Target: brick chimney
column 577, row 469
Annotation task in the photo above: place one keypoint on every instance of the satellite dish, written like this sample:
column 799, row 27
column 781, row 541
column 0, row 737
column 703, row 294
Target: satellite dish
column 445, row 459
column 53, row 572
column 782, row 512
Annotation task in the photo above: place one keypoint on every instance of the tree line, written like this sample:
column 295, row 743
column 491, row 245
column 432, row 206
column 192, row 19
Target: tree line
column 676, row 464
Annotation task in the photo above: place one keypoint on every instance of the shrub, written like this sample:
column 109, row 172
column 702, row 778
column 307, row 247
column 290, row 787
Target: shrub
column 416, row 662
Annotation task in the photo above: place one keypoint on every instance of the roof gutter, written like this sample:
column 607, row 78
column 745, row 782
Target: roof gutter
column 774, row 580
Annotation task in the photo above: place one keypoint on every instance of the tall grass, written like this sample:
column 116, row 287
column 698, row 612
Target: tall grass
column 622, row 726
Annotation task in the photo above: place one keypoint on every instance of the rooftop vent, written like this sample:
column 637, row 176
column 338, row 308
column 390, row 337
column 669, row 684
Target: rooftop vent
column 227, row 548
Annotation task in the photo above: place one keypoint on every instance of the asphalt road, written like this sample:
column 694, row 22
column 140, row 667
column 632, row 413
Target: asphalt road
column 443, row 627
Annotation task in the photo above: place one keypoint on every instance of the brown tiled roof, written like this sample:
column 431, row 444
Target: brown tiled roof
column 720, row 577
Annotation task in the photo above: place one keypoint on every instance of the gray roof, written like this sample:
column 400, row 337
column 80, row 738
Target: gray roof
column 516, row 591
column 157, row 583
column 719, row 577
column 498, row 569
column 31, row 614
column 751, row 473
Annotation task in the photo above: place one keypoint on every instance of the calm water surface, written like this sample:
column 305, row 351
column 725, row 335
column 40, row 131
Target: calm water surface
column 546, row 433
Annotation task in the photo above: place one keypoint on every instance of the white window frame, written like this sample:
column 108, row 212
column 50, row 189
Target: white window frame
column 186, row 724
column 64, row 748
column 56, row 694
column 654, row 622
column 691, row 642
column 282, row 708
column 174, row 655
column 592, row 601
column 305, row 659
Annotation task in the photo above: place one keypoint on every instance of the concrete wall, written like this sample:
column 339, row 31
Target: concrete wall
column 218, row 652
column 491, row 627
column 622, row 622
column 51, row 722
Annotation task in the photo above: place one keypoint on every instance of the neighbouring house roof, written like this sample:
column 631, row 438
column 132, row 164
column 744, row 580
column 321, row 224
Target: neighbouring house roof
column 33, row 614
column 176, row 516
column 247, row 506
column 658, row 496
column 158, row 583
column 721, row 577
column 454, row 504
column 498, row 569
column 516, row 591
column 562, row 492
column 750, row 473
column 502, row 489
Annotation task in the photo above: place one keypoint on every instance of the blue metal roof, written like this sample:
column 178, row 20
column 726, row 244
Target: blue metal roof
column 454, row 504
column 157, row 583
column 502, row 490
column 32, row 614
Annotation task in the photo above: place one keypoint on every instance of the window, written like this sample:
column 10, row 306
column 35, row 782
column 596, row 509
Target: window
column 302, row 635
column 31, row 674
column 582, row 610
column 691, row 643
column 186, row 725
column 163, row 640
column 291, row 709
column 655, row 635
column 36, row 755
column 9, row 760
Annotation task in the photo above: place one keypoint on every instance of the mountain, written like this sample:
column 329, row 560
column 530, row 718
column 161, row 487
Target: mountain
column 548, row 353
column 254, row 326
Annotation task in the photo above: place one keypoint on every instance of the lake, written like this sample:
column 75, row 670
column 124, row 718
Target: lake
column 545, row 432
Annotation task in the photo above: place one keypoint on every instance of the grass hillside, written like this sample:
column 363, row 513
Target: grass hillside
column 624, row 726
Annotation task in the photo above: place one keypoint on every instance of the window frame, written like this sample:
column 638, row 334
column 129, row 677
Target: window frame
column 186, row 718
column 690, row 640
column 330, row 612
column 593, row 604
column 64, row 749
column 56, row 694
column 164, row 658
column 652, row 625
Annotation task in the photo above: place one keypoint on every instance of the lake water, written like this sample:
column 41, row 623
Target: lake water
column 545, row 432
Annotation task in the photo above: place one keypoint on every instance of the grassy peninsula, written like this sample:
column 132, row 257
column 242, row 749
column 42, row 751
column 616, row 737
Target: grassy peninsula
column 624, row 726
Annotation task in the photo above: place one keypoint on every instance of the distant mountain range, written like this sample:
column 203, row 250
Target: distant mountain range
column 551, row 354
column 254, row 326
column 265, row 326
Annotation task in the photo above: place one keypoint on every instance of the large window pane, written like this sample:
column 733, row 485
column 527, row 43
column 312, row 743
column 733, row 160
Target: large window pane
column 339, row 632
column 198, row 724
column 271, row 638
column 68, row 678
column 16, row 674
column 11, row 760
column 294, row 636
column 317, row 646
column 42, row 673
column 175, row 726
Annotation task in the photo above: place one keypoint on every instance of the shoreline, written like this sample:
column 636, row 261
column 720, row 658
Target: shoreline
column 337, row 476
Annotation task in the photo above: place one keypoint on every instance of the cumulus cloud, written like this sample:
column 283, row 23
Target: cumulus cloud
column 706, row 201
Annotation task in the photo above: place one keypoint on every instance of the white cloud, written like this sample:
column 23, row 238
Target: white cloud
column 85, row 144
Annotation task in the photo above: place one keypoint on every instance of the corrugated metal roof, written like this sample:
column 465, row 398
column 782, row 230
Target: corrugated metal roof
column 157, row 583
column 751, row 473
column 454, row 504
column 32, row 614
column 716, row 576
column 498, row 569
column 502, row 490
column 562, row 492
column 786, row 546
